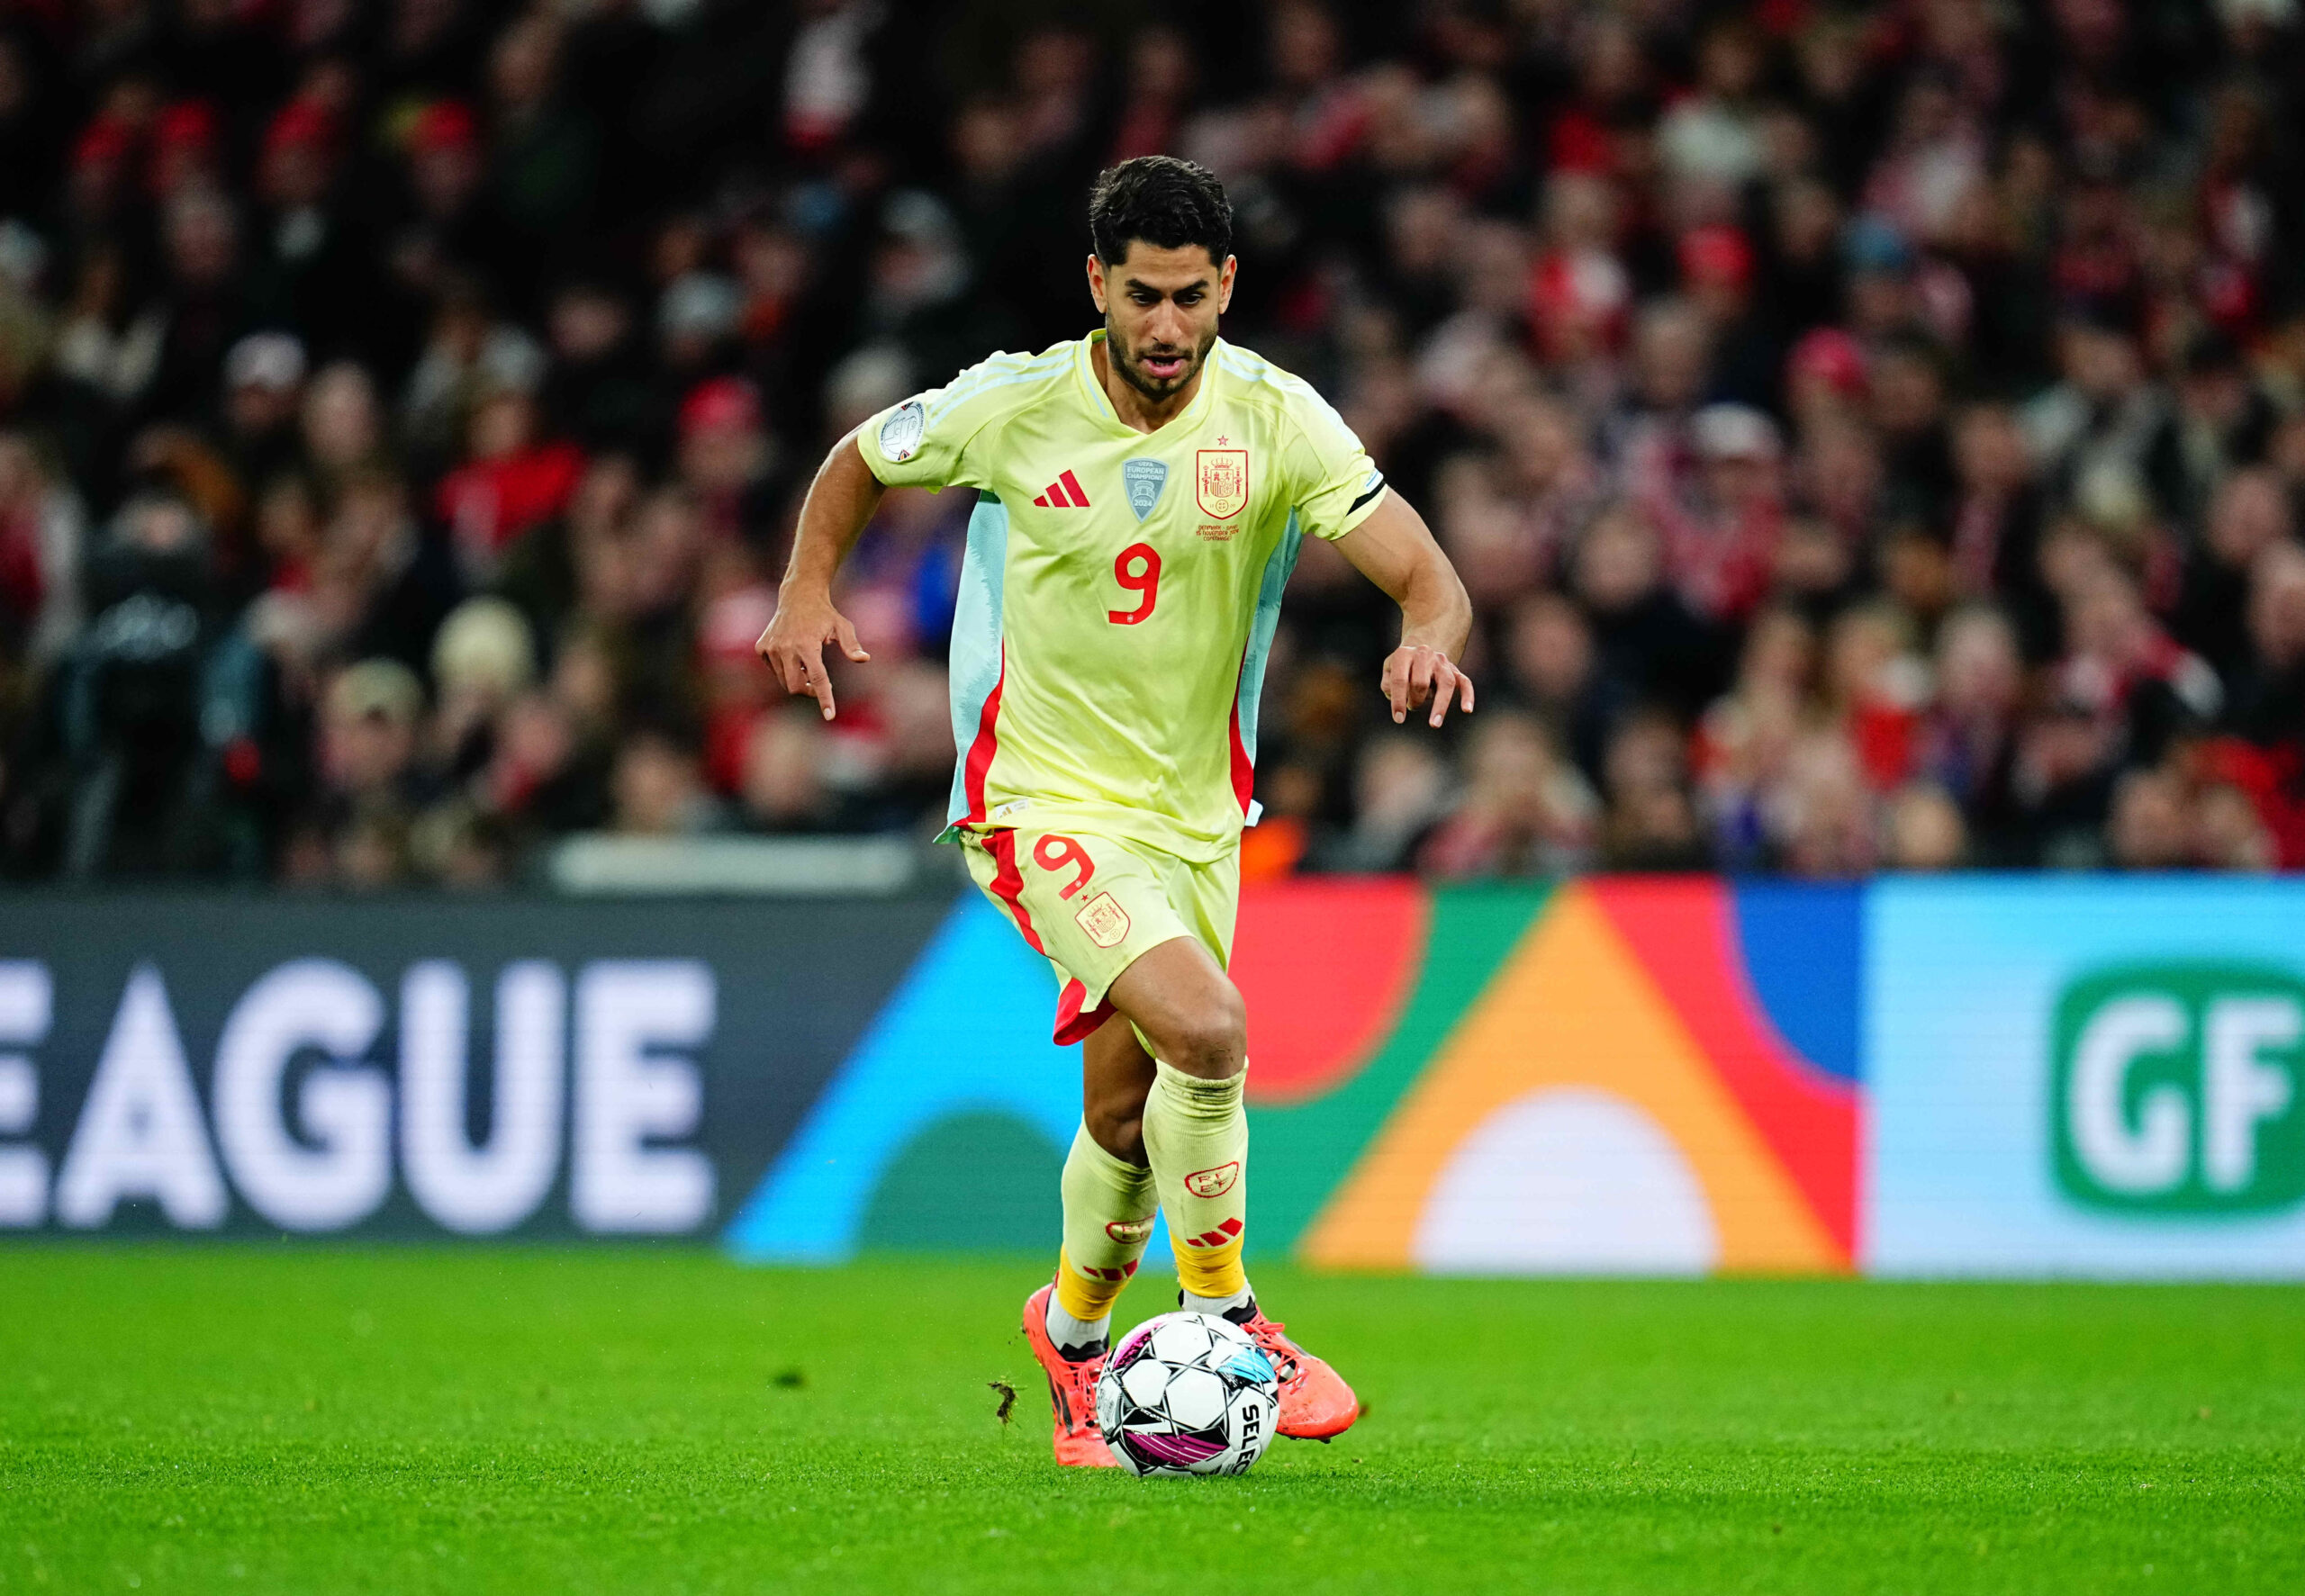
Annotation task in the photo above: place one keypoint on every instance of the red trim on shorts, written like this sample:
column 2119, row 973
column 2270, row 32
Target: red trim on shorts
column 983, row 748
column 1008, row 884
column 1071, row 1025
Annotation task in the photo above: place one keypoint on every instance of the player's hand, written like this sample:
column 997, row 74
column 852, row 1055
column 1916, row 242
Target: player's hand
column 794, row 646
column 1414, row 673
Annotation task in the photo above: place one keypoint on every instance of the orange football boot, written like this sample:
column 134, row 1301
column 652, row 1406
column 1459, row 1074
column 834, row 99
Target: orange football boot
column 1315, row 1404
column 1071, row 1391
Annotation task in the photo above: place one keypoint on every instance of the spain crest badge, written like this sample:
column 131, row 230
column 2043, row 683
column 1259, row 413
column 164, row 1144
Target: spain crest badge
column 1221, row 482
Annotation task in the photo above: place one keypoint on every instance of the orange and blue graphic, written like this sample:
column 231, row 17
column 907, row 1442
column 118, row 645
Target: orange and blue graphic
column 1656, row 1075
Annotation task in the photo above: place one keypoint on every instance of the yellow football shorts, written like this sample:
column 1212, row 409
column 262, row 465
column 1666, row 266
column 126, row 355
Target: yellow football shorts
column 1093, row 904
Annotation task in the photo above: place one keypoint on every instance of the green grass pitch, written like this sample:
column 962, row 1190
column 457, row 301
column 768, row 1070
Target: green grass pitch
column 253, row 1419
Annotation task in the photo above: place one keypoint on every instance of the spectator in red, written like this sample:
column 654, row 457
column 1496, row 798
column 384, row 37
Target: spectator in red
column 1824, row 378
column 1717, row 275
column 184, row 140
column 1721, row 539
column 1873, row 689
column 311, row 268
column 511, row 480
column 1580, row 297
column 2120, row 657
column 728, row 460
column 735, row 696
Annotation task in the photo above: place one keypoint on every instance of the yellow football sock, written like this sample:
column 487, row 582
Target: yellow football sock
column 1108, row 1208
column 1196, row 1134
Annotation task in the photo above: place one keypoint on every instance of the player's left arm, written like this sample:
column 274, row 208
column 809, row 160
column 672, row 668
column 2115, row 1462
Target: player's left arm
column 1394, row 548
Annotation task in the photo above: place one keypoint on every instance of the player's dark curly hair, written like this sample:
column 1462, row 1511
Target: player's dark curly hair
column 1169, row 204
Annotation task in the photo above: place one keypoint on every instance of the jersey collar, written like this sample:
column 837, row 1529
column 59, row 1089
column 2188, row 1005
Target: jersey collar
column 1100, row 404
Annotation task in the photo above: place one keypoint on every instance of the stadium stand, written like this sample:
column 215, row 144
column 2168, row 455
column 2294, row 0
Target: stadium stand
column 1874, row 439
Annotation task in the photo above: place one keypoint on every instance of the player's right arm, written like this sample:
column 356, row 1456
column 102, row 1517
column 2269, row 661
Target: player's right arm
column 839, row 502
column 921, row 443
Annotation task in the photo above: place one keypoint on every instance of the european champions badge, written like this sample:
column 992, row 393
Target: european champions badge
column 1143, row 478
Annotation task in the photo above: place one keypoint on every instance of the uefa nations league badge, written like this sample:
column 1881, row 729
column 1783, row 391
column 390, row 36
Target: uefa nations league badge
column 900, row 433
column 1143, row 478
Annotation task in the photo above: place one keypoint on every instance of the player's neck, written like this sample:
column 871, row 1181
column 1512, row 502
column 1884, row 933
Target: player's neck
column 1131, row 406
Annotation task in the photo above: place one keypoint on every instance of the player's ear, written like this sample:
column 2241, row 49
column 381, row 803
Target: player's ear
column 1224, row 284
column 1096, row 281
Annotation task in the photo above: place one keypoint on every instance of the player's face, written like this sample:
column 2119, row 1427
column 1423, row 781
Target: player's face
column 1160, row 308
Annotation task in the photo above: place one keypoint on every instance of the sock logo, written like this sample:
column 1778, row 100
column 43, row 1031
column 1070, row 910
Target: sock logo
column 1213, row 1183
column 1230, row 1231
column 1129, row 1233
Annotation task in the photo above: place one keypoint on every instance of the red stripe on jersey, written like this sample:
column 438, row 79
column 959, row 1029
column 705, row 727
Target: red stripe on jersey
column 1073, row 486
column 987, row 744
column 1041, row 501
column 1245, row 769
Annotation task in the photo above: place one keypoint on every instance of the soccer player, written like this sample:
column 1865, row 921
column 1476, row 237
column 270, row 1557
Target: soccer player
column 1142, row 494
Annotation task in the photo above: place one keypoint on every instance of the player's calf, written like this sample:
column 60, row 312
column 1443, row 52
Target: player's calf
column 1108, row 1211
column 1196, row 1134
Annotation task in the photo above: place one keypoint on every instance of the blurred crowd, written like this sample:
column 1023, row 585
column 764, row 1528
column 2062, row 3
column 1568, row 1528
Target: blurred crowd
column 1874, row 437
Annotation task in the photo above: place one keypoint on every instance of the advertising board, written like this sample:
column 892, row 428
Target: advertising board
column 1964, row 1076
column 210, row 1064
column 2087, row 1076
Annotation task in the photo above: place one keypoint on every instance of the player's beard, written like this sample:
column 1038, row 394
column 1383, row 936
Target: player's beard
column 1157, row 389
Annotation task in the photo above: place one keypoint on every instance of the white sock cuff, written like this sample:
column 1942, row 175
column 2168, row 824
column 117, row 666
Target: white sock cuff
column 1220, row 1305
column 1068, row 1331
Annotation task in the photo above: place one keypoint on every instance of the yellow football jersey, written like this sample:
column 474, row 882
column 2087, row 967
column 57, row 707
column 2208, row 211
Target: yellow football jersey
column 1120, row 589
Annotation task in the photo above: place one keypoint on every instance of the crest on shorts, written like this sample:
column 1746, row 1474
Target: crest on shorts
column 1105, row 921
column 1143, row 478
column 1221, row 483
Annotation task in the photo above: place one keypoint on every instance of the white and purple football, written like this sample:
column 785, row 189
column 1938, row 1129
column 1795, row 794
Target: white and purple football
column 1187, row 1393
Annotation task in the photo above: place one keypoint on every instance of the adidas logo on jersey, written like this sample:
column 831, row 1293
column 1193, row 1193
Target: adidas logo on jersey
column 1063, row 493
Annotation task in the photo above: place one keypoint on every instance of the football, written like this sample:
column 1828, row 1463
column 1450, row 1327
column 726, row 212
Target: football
column 1187, row 1393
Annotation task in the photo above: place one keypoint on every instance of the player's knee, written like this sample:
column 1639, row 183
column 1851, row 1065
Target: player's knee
column 1213, row 1042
